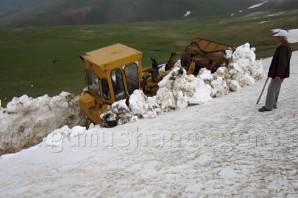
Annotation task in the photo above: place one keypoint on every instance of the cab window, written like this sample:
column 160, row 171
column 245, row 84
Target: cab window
column 118, row 86
column 105, row 89
column 93, row 82
column 132, row 77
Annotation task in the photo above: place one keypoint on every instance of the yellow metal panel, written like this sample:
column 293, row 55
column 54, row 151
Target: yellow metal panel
column 112, row 56
column 87, row 100
column 210, row 45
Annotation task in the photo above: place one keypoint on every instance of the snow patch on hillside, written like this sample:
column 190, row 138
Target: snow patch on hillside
column 258, row 5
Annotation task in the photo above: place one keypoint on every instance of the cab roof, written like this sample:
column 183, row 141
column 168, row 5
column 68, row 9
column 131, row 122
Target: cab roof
column 113, row 54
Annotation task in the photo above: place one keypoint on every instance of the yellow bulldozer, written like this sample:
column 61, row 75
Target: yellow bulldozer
column 115, row 71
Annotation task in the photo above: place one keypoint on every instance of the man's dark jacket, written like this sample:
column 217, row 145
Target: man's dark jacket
column 280, row 64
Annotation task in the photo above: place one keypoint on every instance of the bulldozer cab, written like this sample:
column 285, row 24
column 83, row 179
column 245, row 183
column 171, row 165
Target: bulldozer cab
column 112, row 74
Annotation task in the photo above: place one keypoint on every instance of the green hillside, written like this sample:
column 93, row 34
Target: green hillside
column 70, row 12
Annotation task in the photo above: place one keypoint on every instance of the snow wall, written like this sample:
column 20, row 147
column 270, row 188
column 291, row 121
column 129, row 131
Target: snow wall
column 26, row 121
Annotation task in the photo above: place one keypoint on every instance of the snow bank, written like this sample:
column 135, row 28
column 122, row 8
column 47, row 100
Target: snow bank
column 178, row 90
column 243, row 70
column 26, row 121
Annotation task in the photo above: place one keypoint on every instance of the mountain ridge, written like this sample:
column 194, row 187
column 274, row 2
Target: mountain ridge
column 74, row 12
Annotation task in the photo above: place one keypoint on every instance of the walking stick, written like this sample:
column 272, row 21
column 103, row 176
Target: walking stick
column 262, row 91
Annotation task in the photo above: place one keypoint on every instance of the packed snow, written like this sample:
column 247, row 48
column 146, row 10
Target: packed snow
column 26, row 121
column 204, row 137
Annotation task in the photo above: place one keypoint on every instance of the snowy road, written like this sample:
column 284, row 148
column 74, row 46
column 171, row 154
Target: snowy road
column 225, row 148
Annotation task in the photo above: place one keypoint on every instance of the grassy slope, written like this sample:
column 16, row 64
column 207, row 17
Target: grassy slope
column 27, row 54
column 70, row 12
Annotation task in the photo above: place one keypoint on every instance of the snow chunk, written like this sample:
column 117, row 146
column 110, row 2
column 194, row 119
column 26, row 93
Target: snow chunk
column 118, row 113
column 234, row 85
column 205, row 74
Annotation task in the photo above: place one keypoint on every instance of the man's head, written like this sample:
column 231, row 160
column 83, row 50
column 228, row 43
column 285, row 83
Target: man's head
column 281, row 35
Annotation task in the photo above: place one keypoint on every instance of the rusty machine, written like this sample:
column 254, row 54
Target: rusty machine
column 115, row 71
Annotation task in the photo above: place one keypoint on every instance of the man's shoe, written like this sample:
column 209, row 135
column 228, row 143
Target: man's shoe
column 274, row 106
column 264, row 109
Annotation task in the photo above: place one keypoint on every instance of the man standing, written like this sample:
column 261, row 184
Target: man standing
column 279, row 69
